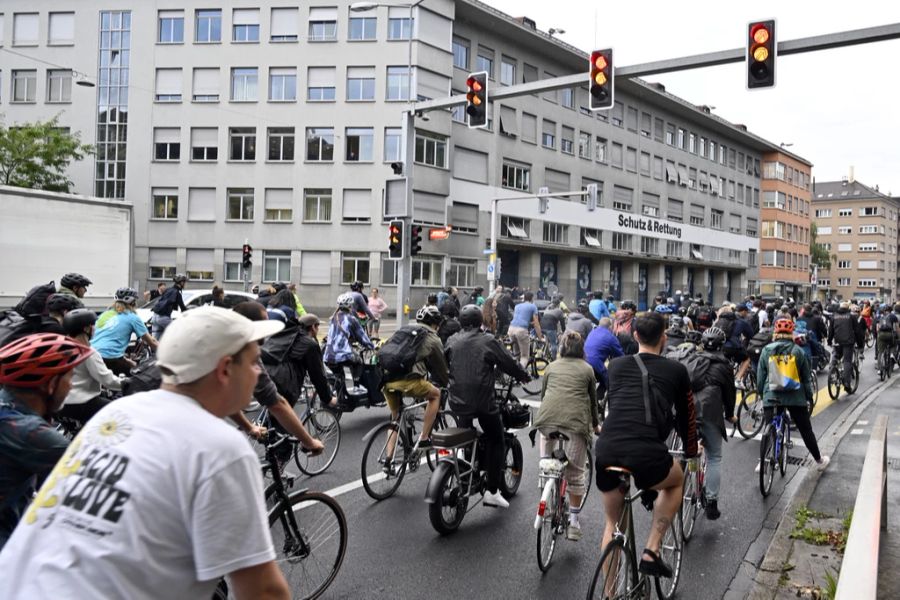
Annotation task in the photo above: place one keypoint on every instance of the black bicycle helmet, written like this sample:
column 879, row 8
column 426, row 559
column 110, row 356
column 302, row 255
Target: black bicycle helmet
column 431, row 299
column 713, row 339
column 470, row 317
column 127, row 295
column 356, row 286
column 429, row 315
column 63, row 303
column 75, row 321
column 279, row 285
column 693, row 336
column 676, row 323
column 179, row 278
column 74, row 280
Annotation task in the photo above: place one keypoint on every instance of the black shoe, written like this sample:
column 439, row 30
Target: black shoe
column 655, row 567
column 423, row 444
column 712, row 510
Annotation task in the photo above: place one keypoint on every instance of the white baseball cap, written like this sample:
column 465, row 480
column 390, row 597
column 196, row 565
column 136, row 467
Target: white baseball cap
column 193, row 344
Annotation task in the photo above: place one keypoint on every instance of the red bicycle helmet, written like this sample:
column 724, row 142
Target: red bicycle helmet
column 33, row 360
column 784, row 326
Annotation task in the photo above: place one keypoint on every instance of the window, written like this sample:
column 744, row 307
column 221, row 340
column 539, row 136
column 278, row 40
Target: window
column 360, row 83
column 240, row 204
column 823, row 213
column 201, row 204
column 283, row 84
column 631, row 119
column 284, row 25
column 869, row 211
column 25, row 29
column 847, row 230
column 824, row 231
column 584, row 145
column 622, row 198
column 393, row 138
column 399, row 23
column 649, row 245
column 631, row 160
column 529, row 128
column 320, row 84
column 484, row 61
column 567, row 98
column 165, row 203
column 458, row 113
column 734, row 223
column 507, row 71
column 712, row 151
column 24, row 86
column 362, row 29
column 774, row 200
column 356, row 207
column 556, row 233
column 621, row 241
column 168, row 85
column 281, row 143
column 59, row 85
column 843, row 281
column 516, row 176
column 590, row 238
column 204, row 143
column 645, row 166
column 516, row 227
column 166, row 143
column 397, row 83
column 752, row 227
column 244, row 82
column 354, row 267
column 670, row 135
column 243, row 143
column 567, row 141
column 162, row 263
column 322, row 24
column 319, row 144
column 674, row 249
column 715, row 219
column 317, row 205
column 315, row 267
column 279, row 205
column 845, row 212
column 600, row 149
column 427, row 270
column 360, row 142
column 845, row 247
column 205, row 85
column 845, row 264
column 460, row 53
column 200, row 265
column 864, row 229
column 698, row 215
column 868, row 247
column 208, row 26
column 548, row 135
column 680, row 141
column 61, row 29
column 431, row 150
column 245, row 25
column 650, row 205
column 692, row 143
column 675, row 210
column 867, row 283
column 508, row 121
column 461, row 273
column 276, row 265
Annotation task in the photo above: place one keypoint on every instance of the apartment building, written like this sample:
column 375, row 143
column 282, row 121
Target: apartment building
column 278, row 124
column 785, row 215
column 858, row 227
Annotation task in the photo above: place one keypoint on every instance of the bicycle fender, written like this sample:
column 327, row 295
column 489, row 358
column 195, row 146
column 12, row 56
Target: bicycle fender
column 434, row 483
column 368, row 435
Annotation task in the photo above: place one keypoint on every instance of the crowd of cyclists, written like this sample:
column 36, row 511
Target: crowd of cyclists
column 626, row 377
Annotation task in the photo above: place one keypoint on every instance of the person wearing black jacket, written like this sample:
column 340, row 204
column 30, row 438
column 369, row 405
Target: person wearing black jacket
column 504, row 308
column 169, row 301
column 472, row 357
column 843, row 336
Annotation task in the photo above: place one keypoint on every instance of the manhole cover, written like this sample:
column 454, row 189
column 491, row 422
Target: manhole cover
column 797, row 461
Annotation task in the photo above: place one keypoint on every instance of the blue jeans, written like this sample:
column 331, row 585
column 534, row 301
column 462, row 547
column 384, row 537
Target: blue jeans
column 159, row 324
column 552, row 342
column 712, row 445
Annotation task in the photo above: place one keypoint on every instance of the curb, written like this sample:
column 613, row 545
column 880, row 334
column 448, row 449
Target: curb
column 766, row 581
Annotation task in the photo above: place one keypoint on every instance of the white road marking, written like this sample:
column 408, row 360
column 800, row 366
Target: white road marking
column 355, row 485
column 862, row 422
column 856, row 431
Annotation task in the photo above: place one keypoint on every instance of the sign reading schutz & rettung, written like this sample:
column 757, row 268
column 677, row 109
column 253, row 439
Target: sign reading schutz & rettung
column 648, row 225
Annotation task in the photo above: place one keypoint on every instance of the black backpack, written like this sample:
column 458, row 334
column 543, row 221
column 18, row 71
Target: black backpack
column 144, row 377
column 14, row 326
column 398, row 355
column 726, row 325
column 704, row 319
column 35, row 301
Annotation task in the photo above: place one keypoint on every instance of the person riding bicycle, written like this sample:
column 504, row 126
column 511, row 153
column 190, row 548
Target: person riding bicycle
column 282, row 307
column 360, row 303
column 113, row 330
column 552, row 324
column 738, row 333
column 598, row 306
column 888, row 330
column 623, row 326
column 861, row 330
column 343, row 330
column 525, row 316
column 74, row 284
column 601, row 345
column 579, row 322
column 169, row 301
column 59, row 305
column 569, row 405
column 92, row 376
column 36, row 375
column 430, row 362
column 790, row 386
column 843, row 337
column 634, row 434
column 473, row 358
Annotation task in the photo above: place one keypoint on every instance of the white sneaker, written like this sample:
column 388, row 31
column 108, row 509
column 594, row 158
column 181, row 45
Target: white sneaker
column 823, row 463
column 758, row 467
column 495, row 499
column 573, row 531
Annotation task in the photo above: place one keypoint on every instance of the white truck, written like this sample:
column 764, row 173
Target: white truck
column 44, row 235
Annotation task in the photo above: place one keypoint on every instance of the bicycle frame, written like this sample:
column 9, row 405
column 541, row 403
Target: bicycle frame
column 469, row 475
column 781, row 423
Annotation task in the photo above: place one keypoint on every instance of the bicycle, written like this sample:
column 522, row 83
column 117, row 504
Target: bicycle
column 382, row 469
column 309, row 530
column 322, row 424
column 693, row 494
column 537, row 362
column 835, row 378
column 773, row 449
column 749, row 414
column 617, row 576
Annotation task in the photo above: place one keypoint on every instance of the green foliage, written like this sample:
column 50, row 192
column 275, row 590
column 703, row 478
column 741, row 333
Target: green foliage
column 830, row 590
column 816, row 536
column 818, row 255
column 37, row 155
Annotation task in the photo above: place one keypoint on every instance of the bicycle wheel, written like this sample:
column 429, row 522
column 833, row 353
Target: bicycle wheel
column 689, row 503
column 814, row 383
column 767, row 461
column 512, row 467
column 671, row 551
column 324, row 426
column 834, row 382
column 309, row 532
column 547, row 532
column 535, row 369
column 854, row 379
column 383, row 470
column 749, row 415
column 870, row 339
column 588, row 475
column 616, row 576
column 783, row 446
column 448, row 506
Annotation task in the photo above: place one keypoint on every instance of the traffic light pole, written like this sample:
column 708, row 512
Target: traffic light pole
column 404, row 266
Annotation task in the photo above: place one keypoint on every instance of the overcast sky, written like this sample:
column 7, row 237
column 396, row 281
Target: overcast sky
column 837, row 107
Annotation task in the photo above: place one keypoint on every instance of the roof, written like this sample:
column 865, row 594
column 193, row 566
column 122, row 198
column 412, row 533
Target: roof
column 855, row 190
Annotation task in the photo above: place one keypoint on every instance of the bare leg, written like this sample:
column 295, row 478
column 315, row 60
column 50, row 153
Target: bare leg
column 431, row 411
column 670, row 490
column 742, row 370
column 612, row 506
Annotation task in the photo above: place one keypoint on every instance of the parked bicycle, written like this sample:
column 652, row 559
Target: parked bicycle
column 774, row 448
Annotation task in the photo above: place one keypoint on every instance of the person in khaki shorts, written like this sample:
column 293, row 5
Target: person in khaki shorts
column 429, row 361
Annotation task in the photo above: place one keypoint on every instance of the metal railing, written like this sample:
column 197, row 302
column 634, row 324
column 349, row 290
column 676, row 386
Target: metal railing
column 859, row 570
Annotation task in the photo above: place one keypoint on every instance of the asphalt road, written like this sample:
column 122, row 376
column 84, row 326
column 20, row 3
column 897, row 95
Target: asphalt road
column 393, row 551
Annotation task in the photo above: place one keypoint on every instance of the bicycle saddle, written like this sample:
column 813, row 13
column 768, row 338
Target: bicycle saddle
column 558, row 435
column 453, row 436
column 621, row 470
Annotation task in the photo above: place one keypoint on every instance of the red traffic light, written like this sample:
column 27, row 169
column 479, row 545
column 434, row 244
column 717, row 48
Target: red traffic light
column 600, row 84
column 761, row 51
column 477, row 99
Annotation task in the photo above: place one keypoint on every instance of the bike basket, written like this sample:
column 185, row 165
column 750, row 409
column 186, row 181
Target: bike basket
column 515, row 415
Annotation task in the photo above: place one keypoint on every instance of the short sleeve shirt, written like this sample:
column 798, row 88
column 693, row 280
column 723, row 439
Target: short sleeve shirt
column 113, row 332
column 523, row 315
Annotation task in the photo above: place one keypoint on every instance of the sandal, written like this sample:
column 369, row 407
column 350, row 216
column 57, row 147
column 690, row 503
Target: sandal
column 655, row 567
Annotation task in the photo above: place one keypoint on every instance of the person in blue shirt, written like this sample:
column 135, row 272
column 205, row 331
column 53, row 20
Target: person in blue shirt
column 113, row 330
column 611, row 306
column 600, row 346
column 525, row 315
column 598, row 306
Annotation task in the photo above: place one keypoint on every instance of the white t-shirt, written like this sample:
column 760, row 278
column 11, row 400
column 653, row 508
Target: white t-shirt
column 155, row 498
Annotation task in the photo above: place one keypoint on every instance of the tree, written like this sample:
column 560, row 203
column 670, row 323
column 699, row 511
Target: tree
column 818, row 254
column 37, row 155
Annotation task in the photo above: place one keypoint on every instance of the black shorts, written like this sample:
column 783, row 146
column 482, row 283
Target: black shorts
column 649, row 464
column 737, row 355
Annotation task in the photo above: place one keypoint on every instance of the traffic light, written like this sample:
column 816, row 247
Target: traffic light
column 601, row 83
column 543, row 200
column 761, row 52
column 592, row 196
column 415, row 240
column 396, row 247
column 247, row 256
column 477, row 99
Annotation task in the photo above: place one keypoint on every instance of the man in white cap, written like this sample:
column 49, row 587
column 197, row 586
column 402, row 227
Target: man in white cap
column 158, row 495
